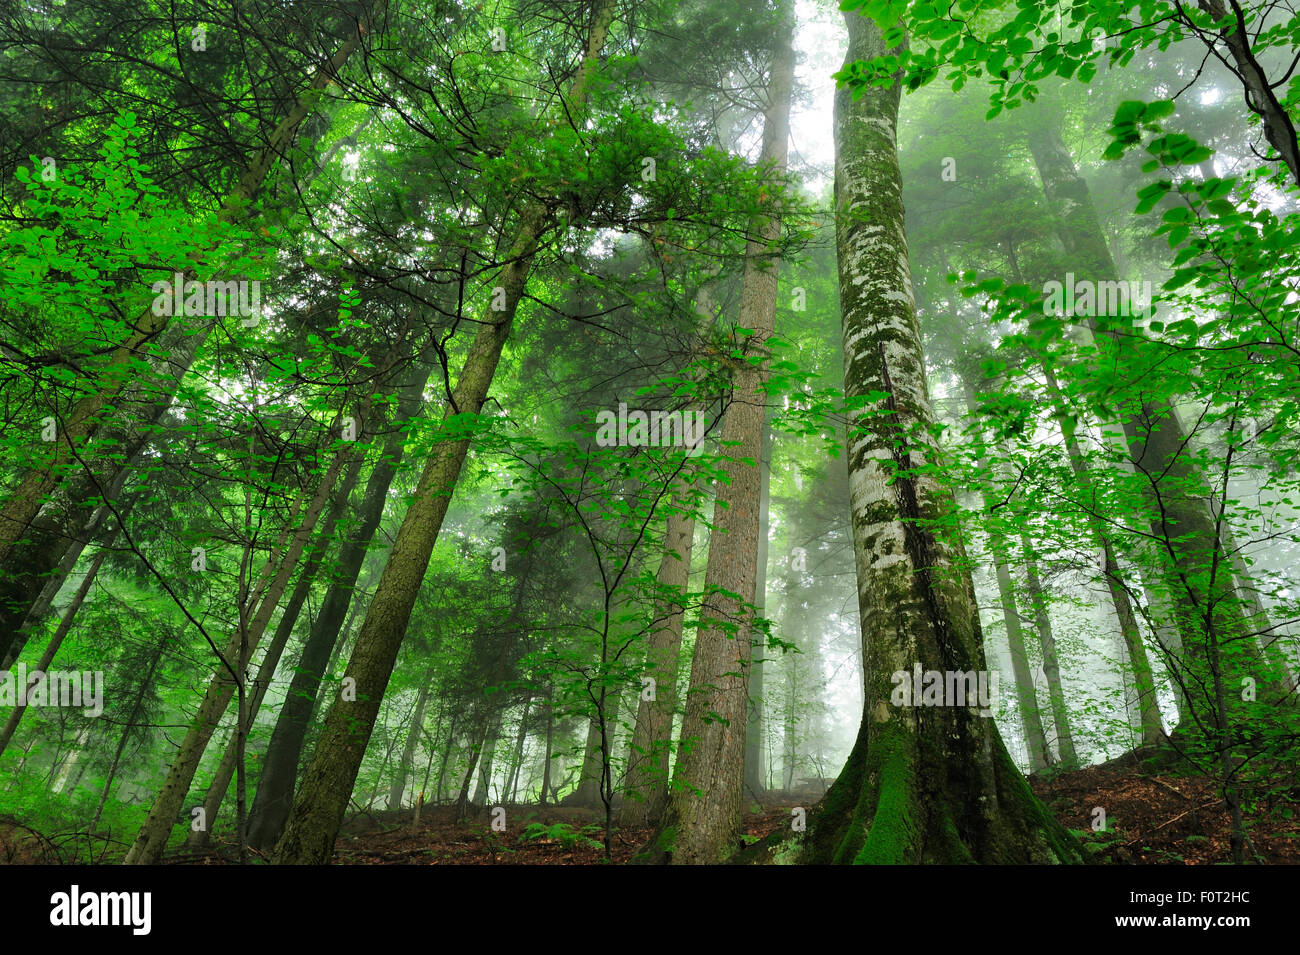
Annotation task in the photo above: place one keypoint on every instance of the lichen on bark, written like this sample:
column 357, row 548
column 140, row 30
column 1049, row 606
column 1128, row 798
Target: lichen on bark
column 923, row 783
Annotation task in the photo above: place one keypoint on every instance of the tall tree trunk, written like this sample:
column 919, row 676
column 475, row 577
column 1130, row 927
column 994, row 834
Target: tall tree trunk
column 647, row 776
column 132, row 716
column 550, row 740
column 1051, row 662
column 318, row 812
column 703, row 819
column 475, row 754
column 45, row 584
column 446, row 756
column 1143, row 681
column 274, row 796
column 483, row 791
column 512, row 784
column 755, row 770
column 1031, row 720
column 230, row 761
column 1184, row 529
column 923, row 783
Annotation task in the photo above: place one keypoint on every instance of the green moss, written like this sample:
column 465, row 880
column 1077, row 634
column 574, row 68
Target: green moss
column 788, row 852
column 667, row 840
column 891, row 836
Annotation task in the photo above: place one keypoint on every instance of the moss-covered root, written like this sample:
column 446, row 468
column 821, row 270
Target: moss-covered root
column 885, row 809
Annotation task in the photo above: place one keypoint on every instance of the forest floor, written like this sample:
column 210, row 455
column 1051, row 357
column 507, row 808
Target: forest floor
column 1150, row 819
column 1166, row 819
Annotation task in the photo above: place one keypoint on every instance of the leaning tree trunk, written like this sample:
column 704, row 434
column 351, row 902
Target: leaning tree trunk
column 151, row 841
column 318, row 812
column 483, row 789
column 1143, row 680
column 1051, row 659
column 274, row 796
column 923, row 783
column 231, row 762
column 405, row 764
column 125, row 736
column 56, row 641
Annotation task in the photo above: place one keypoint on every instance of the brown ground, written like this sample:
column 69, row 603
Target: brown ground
column 1167, row 819
column 1149, row 819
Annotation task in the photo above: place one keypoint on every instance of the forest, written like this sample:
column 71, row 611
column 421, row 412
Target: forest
column 625, row 432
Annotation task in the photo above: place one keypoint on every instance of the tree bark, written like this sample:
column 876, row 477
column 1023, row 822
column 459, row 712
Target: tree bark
column 647, row 776
column 274, row 795
column 230, row 762
column 923, row 783
column 755, row 769
column 702, row 822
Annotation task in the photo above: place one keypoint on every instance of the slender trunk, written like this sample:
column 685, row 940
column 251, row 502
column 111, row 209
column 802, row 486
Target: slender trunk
column 550, row 740
column 512, row 784
column 151, row 841
column 1143, row 680
column 56, row 641
column 647, row 776
column 446, row 757
column 475, row 753
column 407, row 762
column 755, row 771
column 274, row 795
column 1051, row 662
column 1040, row 755
column 1185, row 533
column 483, row 791
column 125, row 735
column 231, row 762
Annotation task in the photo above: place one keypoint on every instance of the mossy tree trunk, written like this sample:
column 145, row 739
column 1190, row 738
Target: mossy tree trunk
column 274, row 795
column 923, row 783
